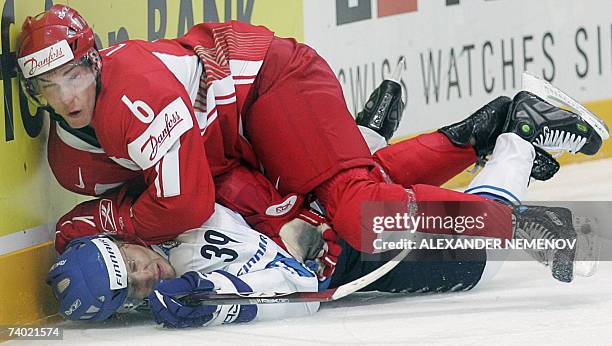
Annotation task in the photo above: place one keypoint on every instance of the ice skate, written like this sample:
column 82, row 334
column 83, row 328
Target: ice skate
column 382, row 112
column 552, row 223
column 553, row 129
column 482, row 128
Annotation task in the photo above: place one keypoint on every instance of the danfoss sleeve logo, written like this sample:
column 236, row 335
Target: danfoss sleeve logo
column 161, row 134
column 46, row 59
column 172, row 121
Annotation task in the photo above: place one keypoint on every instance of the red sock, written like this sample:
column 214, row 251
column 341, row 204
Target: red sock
column 426, row 159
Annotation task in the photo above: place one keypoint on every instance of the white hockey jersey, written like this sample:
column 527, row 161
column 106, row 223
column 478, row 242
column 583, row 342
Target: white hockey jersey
column 225, row 243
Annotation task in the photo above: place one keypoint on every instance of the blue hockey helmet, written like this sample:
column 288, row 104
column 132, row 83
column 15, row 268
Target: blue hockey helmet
column 89, row 279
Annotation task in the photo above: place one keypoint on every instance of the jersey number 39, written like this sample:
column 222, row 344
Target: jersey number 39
column 214, row 247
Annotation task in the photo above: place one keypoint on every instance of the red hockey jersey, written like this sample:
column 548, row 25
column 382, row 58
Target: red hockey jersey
column 168, row 116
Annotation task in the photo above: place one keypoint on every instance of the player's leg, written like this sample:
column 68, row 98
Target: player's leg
column 425, row 159
column 306, row 139
column 345, row 196
column 422, row 271
column 298, row 123
column 428, row 158
column 342, row 199
column 505, row 177
column 434, row 158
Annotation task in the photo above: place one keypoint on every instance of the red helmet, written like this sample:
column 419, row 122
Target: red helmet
column 51, row 39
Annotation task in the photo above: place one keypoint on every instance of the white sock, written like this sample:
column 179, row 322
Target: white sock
column 373, row 139
column 506, row 174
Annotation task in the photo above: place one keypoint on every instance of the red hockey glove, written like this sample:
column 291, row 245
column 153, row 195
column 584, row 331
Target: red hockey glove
column 110, row 214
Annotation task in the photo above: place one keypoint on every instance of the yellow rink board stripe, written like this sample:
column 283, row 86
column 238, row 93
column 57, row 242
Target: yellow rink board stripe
column 24, row 298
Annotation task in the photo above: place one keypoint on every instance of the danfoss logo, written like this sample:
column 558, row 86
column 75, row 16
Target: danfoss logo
column 34, row 65
column 161, row 136
column 154, row 142
column 46, row 59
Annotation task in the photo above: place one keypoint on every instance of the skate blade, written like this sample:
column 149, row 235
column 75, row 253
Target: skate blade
column 398, row 70
column 585, row 269
column 588, row 249
column 556, row 97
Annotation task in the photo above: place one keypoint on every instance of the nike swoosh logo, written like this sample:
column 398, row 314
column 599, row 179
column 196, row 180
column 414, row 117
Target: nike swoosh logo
column 277, row 181
column 81, row 184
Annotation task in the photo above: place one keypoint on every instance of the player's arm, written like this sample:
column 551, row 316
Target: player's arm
column 286, row 277
column 230, row 257
column 301, row 231
column 161, row 138
column 179, row 192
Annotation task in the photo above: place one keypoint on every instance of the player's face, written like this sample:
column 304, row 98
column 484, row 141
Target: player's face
column 145, row 269
column 71, row 91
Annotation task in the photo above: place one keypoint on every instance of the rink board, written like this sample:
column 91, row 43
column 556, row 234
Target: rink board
column 362, row 41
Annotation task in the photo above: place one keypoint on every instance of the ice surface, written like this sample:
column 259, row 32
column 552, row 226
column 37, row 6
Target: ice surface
column 523, row 304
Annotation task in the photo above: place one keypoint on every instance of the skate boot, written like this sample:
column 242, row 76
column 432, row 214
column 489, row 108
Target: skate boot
column 482, row 128
column 555, row 223
column 383, row 111
column 553, row 129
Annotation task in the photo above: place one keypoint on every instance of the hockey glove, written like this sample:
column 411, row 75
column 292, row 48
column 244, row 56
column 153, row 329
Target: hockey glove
column 109, row 214
column 172, row 313
column 305, row 234
column 308, row 237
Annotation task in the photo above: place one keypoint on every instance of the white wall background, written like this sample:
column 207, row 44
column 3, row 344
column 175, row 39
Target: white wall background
column 566, row 40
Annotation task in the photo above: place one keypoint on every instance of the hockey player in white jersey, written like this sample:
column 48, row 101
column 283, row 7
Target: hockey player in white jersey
column 96, row 277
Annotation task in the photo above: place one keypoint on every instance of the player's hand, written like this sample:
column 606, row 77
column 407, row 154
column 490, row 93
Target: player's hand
column 169, row 311
column 308, row 237
column 101, row 215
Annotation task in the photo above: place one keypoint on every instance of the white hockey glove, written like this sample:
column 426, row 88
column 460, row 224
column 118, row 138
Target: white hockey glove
column 308, row 237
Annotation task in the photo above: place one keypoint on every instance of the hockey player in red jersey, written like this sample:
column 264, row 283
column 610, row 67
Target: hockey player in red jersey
column 227, row 102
